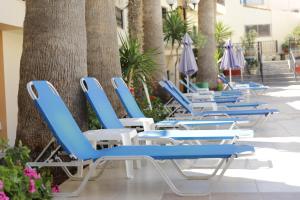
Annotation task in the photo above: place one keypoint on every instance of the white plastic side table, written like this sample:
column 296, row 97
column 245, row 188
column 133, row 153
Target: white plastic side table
column 125, row 136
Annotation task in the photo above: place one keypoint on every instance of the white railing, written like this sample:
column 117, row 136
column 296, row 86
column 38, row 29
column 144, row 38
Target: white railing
column 292, row 62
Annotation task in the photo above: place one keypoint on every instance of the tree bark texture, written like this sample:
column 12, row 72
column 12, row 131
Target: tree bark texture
column 103, row 50
column 153, row 40
column 135, row 21
column 54, row 49
column 206, row 57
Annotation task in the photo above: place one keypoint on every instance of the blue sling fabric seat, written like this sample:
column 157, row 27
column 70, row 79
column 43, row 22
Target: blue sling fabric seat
column 219, row 100
column 67, row 133
column 188, row 107
column 249, row 85
column 133, row 110
column 108, row 118
column 194, row 89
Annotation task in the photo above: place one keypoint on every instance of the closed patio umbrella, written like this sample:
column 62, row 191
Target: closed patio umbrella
column 187, row 65
column 229, row 61
column 240, row 59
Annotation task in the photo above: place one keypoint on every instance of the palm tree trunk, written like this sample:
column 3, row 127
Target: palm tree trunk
column 206, row 57
column 135, row 20
column 153, row 39
column 54, row 49
column 102, row 50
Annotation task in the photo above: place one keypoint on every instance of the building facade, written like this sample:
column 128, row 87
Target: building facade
column 272, row 19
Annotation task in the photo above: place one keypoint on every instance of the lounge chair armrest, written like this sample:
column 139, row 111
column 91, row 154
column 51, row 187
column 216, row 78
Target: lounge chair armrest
column 202, row 105
column 146, row 123
column 95, row 136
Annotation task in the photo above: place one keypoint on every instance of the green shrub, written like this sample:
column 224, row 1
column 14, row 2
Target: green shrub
column 19, row 182
column 158, row 111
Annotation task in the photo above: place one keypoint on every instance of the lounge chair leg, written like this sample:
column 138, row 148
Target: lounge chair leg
column 228, row 163
column 92, row 168
column 171, row 184
column 138, row 163
column 207, row 177
column 45, row 149
column 128, row 163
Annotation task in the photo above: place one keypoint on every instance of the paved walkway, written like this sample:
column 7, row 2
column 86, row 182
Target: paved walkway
column 271, row 174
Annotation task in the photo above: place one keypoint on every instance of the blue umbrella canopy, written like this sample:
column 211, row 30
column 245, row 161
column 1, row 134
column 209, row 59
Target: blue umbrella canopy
column 187, row 65
column 229, row 60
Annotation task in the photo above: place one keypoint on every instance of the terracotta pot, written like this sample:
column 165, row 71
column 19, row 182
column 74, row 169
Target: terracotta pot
column 234, row 72
column 297, row 69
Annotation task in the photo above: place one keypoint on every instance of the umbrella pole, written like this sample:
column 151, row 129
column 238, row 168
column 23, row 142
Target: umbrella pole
column 188, row 83
column 230, row 76
column 242, row 76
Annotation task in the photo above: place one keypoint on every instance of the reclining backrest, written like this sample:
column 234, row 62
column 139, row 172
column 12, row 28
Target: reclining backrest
column 126, row 98
column 60, row 120
column 171, row 92
column 100, row 103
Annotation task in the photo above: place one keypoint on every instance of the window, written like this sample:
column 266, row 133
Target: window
column 263, row 30
column 252, row 2
column 221, row 2
column 119, row 16
column 164, row 12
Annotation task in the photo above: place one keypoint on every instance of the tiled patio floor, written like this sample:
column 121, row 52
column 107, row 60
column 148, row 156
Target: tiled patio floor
column 271, row 174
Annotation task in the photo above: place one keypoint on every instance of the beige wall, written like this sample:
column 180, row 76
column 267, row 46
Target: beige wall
column 12, row 12
column 12, row 49
column 282, row 22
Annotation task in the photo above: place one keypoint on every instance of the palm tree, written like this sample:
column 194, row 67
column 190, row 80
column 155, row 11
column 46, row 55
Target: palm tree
column 135, row 21
column 154, row 39
column 54, row 49
column 206, row 57
column 102, row 46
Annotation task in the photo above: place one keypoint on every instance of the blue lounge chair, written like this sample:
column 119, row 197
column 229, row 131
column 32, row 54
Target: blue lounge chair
column 193, row 88
column 108, row 118
column 252, row 86
column 219, row 100
column 133, row 111
column 187, row 106
column 233, row 92
column 72, row 141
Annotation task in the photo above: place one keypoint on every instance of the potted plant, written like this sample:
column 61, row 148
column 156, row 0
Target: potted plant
column 252, row 65
column 285, row 47
column 248, row 43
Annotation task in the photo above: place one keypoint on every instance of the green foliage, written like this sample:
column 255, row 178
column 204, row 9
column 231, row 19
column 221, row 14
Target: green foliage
column 93, row 122
column 18, row 182
column 198, row 38
column 296, row 32
column 249, row 39
column 252, row 63
column 136, row 65
column 174, row 28
column 18, row 155
column 223, row 33
column 3, row 144
column 158, row 112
